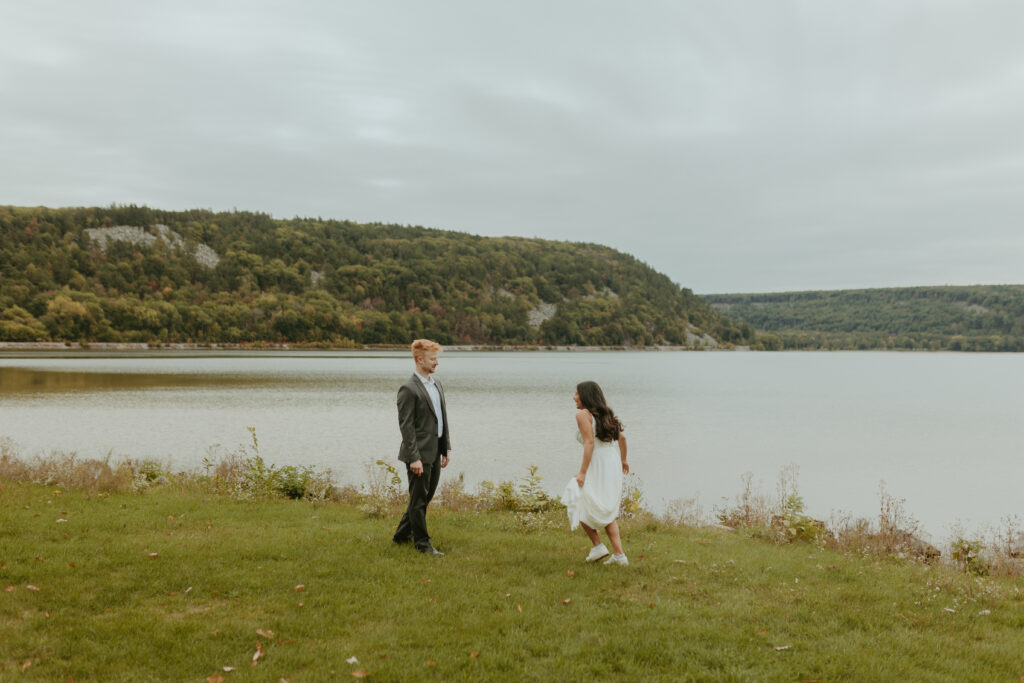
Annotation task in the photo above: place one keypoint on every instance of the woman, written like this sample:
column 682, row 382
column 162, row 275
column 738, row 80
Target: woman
column 593, row 496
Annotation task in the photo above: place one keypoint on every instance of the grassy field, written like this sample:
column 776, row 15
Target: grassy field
column 177, row 585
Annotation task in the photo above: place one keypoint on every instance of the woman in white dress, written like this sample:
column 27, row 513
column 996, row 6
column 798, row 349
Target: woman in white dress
column 593, row 496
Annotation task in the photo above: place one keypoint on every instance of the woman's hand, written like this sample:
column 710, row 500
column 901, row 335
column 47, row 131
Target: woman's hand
column 580, row 476
column 625, row 468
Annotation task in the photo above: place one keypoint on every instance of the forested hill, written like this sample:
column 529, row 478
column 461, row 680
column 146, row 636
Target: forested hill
column 136, row 274
column 975, row 318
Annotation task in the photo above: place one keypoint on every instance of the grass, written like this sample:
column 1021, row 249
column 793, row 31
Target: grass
column 511, row 601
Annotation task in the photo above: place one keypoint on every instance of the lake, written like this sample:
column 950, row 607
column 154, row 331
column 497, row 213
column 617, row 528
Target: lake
column 942, row 430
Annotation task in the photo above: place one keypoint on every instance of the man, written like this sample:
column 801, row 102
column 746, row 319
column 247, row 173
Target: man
column 426, row 448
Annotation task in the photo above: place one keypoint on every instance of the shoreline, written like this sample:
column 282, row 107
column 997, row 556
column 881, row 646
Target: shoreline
column 285, row 346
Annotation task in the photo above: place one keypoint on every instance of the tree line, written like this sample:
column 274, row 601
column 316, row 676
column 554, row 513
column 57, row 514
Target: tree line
column 968, row 318
column 328, row 282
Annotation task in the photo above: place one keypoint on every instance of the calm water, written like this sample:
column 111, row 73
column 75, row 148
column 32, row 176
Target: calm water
column 943, row 431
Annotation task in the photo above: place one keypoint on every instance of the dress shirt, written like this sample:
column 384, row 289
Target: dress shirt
column 435, row 397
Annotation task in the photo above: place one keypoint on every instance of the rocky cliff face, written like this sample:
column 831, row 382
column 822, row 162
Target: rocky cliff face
column 136, row 235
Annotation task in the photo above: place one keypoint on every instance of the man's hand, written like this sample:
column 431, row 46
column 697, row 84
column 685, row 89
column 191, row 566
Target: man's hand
column 416, row 467
column 444, row 459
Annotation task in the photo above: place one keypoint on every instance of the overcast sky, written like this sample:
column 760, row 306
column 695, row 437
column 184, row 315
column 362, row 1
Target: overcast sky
column 735, row 146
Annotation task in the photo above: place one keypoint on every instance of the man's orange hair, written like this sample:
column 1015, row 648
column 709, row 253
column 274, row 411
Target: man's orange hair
column 421, row 346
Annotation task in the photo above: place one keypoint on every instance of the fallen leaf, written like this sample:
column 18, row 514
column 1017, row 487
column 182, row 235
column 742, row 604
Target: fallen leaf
column 26, row 664
column 570, row 573
column 188, row 589
column 352, row 660
column 300, row 604
column 61, row 520
column 30, row 587
column 359, row 673
column 474, row 654
column 259, row 653
column 432, row 599
column 425, row 581
column 650, row 604
column 269, row 635
column 761, row 633
column 215, row 678
column 566, row 601
column 508, row 595
column 519, row 607
column 300, row 587
column 780, row 648
column 949, row 609
column 153, row 556
column 985, row 612
column 170, row 516
column 9, row 589
column 229, row 669
column 431, row 662
column 71, row 565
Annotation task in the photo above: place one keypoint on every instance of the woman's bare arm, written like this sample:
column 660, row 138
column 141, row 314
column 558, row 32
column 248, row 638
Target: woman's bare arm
column 583, row 421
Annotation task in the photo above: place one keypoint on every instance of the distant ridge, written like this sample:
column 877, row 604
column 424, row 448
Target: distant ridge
column 130, row 274
column 969, row 318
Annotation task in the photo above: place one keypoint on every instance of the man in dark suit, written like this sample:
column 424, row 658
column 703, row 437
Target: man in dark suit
column 426, row 447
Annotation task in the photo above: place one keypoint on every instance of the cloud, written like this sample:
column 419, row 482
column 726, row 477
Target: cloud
column 735, row 146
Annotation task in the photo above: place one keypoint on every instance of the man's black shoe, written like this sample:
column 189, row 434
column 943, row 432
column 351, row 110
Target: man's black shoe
column 431, row 550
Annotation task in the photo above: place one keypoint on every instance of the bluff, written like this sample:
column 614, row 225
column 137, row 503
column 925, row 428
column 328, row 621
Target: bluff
column 137, row 274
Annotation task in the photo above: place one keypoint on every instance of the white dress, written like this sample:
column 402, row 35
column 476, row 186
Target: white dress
column 596, row 503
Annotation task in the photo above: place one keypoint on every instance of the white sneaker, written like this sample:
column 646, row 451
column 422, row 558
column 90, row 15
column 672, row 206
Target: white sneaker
column 597, row 552
column 617, row 559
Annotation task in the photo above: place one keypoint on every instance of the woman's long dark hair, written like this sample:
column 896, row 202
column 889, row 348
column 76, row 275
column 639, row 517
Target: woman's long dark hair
column 607, row 426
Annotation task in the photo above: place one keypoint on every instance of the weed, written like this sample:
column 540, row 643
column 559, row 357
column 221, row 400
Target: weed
column 794, row 525
column 383, row 491
column 966, row 554
column 632, row 501
column 751, row 509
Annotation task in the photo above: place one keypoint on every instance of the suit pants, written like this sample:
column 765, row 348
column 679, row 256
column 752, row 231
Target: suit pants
column 421, row 491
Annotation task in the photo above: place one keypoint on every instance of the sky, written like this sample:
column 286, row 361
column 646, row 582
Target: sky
column 754, row 146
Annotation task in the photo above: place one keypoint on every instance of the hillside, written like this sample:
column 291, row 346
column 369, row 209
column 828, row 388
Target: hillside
column 134, row 274
column 974, row 318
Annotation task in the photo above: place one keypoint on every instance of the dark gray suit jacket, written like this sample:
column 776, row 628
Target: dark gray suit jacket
column 418, row 423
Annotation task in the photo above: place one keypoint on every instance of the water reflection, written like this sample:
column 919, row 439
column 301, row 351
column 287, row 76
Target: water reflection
column 25, row 381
